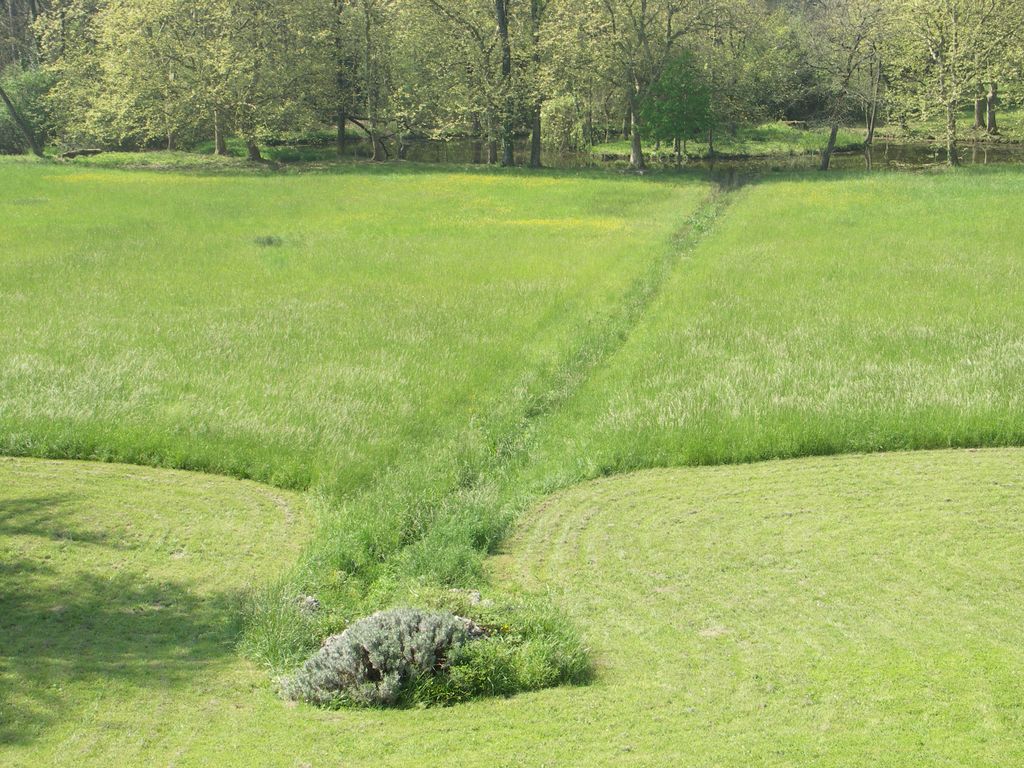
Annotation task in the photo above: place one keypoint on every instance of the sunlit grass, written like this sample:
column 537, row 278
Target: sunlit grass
column 144, row 319
column 859, row 610
column 839, row 611
column 824, row 316
column 381, row 337
column 430, row 352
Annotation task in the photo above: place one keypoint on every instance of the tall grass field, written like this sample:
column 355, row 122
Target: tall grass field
column 422, row 368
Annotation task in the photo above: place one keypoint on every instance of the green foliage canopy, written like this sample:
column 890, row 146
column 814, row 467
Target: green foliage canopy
column 678, row 105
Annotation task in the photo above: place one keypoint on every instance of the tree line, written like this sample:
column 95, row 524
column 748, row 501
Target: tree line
column 560, row 73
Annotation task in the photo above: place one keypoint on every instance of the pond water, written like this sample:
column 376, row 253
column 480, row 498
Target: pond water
column 881, row 157
column 893, row 156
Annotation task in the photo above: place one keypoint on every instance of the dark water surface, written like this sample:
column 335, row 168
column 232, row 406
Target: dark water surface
column 881, row 157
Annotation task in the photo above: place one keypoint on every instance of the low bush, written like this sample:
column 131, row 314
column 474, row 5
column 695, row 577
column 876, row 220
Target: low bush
column 373, row 662
column 461, row 648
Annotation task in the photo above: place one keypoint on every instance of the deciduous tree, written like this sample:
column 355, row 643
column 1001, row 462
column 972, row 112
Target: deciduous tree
column 943, row 48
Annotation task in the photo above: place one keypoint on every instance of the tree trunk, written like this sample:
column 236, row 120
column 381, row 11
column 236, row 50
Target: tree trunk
column 872, row 124
column 172, row 142
column 12, row 31
column 979, row 113
column 636, row 148
column 376, row 151
column 377, row 146
column 507, row 134
column 342, row 64
column 254, row 151
column 477, row 145
column 492, row 152
column 873, row 110
column 627, row 121
column 342, row 139
column 508, row 158
column 992, row 102
column 826, row 156
column 220, row 147
column 535, row 138
column 30, row 135
column 952, row 149
column 711, row 142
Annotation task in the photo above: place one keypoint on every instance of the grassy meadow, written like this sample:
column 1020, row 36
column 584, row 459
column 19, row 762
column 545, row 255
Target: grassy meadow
column 302, row 331
column 418, row 358
column 848, row 314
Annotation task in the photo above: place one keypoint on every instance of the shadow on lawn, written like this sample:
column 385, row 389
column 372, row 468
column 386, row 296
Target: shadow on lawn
column 42, row 516
column 113, row 626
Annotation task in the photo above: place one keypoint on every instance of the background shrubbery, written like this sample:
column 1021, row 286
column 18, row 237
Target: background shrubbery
column 26, row 88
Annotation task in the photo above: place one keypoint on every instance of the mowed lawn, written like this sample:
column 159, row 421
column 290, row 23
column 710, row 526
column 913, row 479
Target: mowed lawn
column 855, row 610
column 120, row 604
column 838, row 611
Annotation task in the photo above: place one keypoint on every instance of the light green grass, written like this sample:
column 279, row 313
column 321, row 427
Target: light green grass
column 388, row 351
column 749, row 141
column 142, row 321
column 120, row 604
column 433, row 351
column 861, row 610
column 861, row 313
column 163, row 160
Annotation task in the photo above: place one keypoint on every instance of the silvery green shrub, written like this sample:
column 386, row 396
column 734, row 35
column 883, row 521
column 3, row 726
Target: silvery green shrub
column 373, row 662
